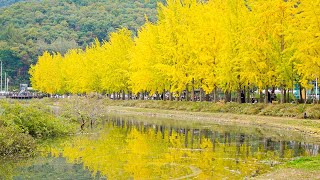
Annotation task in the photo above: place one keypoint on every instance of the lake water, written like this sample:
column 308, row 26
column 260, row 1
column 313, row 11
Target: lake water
column 126, row 148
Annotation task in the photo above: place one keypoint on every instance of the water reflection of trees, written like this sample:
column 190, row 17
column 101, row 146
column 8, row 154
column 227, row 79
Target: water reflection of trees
column 131, row 149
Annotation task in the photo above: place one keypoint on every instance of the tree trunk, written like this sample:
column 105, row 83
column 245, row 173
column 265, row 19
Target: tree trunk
column 200, row 95
column 248, row 94
column 227, row 96
column 284, row 96
column 207, row 97
column 266, row 94
column 281, row 98
column 187, row 94
column 261, row 97
column 239, row 96
column 192, row 91
column 303, row 93
column 129, row 95
column 164, row 95
column 300, row 93
column 215, row 94
column 170, row 96
column 123, row 95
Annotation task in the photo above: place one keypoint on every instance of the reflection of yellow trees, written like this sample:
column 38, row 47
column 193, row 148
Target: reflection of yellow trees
column 138, row 151
column 106, row 153
column 225, row 161
column 144, row 152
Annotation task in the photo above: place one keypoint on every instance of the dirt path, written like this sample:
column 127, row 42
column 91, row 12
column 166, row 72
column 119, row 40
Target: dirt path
column 291, row 174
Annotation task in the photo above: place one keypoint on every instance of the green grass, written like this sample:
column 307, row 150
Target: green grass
column 306, row 163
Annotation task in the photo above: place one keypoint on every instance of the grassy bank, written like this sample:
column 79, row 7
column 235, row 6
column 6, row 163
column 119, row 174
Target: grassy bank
column 278, row 110
column 301, row 168
column 289, row 117
column 23, row 124
column 305, row 163
column 88, row 111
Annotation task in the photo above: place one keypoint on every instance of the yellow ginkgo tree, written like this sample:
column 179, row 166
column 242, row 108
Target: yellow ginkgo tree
column 308, row 42
column 46, row 74
column 116, row 61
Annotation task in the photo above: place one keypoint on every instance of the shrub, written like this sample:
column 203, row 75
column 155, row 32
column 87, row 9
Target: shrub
column 36, row 121
column 13, row 142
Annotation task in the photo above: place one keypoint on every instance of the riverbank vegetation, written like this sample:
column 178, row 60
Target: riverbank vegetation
column 23, row 124
column 237, row 47
column 279, row 110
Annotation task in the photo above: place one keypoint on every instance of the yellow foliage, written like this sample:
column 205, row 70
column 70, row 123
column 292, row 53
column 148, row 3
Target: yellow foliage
column 195, row 44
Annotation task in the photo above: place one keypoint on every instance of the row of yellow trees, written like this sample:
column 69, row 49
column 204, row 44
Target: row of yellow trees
column 195, row 44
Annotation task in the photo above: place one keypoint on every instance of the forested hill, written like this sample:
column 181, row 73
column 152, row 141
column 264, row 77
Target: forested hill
column 29, row 28
column 4, row 3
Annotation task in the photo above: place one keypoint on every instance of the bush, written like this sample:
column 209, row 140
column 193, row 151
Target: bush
column 36, row 121
column 13, row 142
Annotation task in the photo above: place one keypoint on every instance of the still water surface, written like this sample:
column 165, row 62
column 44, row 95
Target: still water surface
column 124, row 148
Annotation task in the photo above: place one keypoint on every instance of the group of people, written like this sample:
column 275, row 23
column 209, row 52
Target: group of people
column 271, row 97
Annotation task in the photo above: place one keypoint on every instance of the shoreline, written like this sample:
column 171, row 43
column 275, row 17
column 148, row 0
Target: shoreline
column 278, row 128
column 305, row 126
column 283, row 171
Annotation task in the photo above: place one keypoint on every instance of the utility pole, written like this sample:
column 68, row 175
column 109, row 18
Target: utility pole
column 1, row 76
column 8, row 85
column 5, row 82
